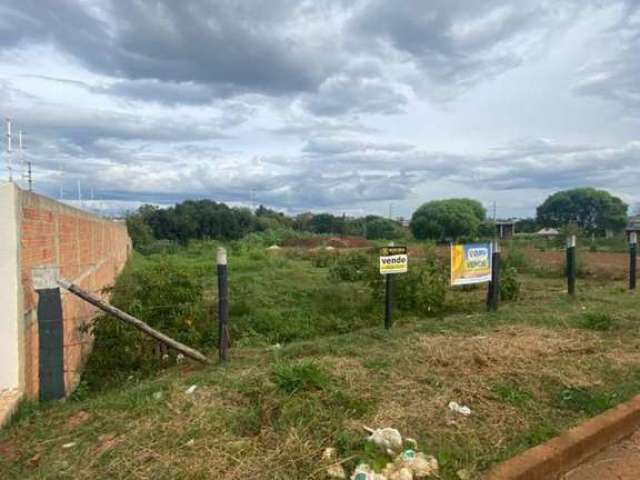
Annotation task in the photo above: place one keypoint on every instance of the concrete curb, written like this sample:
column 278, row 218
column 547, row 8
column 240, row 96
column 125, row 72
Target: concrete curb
column 559, row 455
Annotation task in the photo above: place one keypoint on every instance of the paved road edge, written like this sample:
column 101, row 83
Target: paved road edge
column 562, row 453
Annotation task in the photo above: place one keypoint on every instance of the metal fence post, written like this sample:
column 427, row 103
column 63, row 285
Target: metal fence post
column 571, row 265
column 633, row 245
column 493, row 294
column 223, row 304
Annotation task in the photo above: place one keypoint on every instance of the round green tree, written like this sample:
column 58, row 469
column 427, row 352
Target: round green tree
column 593, row 211
column 447, row 219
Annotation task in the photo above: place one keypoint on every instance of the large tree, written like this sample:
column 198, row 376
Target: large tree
column 447, row 219
column 594, row 211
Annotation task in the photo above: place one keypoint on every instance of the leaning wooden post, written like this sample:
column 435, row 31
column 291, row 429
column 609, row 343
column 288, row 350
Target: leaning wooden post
column 223, row 304
column 131, row 320
column 493, row 294
column 633, row 244
column 571, row 265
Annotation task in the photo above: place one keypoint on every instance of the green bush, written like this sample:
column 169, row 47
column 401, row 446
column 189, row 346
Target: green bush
column 164, row 247
column 600, row 321
column 509, row 284
column 297, row 377
column 351, row 267
column 162, row 295
column 422, row 290
column 323, row 259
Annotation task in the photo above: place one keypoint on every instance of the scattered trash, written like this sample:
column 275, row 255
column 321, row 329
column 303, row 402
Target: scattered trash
column 364, row 472
column 336, row 471
column 388, row 440
column 412, row 442
column 407, row 464
column 191, row 389
column 179, row 358
column 461, row 409
column 273, row 247
column 190, row 443
column 165, row 357
column 157, row 396
column 463, row 474
column 69, row 445
column 274, row 347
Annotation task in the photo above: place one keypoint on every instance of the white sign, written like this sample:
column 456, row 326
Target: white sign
column 394, row 264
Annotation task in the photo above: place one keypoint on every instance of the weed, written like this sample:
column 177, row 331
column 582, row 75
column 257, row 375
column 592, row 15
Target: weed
column 297, row 377
column 512, row 393
column 599, row 321
column 583, row 400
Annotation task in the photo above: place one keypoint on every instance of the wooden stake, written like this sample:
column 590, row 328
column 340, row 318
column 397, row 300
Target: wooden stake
column 126, row 318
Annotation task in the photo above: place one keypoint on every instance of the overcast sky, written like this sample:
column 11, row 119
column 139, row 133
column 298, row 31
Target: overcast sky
column 325, row 105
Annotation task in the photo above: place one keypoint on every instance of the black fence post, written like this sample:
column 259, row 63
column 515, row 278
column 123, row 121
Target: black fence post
column 571, row 265
column 633, row 245
column 388, row 305
column 223, row 305
column 493, row 293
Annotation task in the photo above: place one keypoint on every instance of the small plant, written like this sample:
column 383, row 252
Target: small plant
column 296, row 377
column 509, row 284
column 599, row 321
column 323, row 259
column 583, row 400
column 351, row 267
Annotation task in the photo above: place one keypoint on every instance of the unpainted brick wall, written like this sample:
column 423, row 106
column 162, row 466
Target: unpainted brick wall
column 89, row 251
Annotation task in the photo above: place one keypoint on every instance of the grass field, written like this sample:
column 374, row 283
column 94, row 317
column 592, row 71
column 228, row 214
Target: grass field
column 537, row 366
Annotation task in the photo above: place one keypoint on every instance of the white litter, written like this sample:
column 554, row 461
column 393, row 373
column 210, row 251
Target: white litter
column 179, row 358
column 191, row 389
column 69, row 445
column 388, row 440
column 461, row 409
column 157, row 395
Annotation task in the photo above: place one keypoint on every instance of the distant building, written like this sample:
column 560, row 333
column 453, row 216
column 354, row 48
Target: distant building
column 633, row 225
column 505, row 229
column 548, row 233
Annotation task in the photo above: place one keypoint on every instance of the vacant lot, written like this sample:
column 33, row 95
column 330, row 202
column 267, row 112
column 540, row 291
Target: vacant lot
column 539, row 365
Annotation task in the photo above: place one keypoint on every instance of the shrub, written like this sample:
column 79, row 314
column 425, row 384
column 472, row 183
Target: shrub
column 352, row 267
column 516, row 258
column 323, row 259
column 421, row 290
column 296, row 377
column 164, row 247
column 162, row 295
column 509, row 284
column 600, row 321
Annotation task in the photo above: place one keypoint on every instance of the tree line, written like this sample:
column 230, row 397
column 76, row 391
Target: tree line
column 206, row 219
column 592, row 211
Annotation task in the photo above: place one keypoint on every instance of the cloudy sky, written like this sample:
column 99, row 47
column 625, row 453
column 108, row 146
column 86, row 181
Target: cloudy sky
column 325, row 105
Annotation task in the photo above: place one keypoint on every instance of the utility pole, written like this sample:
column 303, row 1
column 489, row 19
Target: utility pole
column 494, row 211
column 9, row 165
column 390, row 211
column 29, row 178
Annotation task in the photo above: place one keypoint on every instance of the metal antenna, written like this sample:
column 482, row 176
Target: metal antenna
column 20, row 157
column 9, row 165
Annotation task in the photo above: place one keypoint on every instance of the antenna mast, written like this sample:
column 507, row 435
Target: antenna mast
column 9, row 165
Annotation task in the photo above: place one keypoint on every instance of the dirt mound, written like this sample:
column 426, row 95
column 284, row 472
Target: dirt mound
column 335, row 242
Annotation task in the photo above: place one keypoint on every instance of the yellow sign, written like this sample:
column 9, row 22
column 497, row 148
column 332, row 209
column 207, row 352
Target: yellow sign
column 470, row 263
column 394, row 264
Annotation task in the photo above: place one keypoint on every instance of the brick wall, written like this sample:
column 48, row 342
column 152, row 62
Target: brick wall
column 89, row 251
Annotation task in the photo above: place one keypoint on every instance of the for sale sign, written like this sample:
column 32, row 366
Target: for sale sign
column 393, row 260
column 470, row 263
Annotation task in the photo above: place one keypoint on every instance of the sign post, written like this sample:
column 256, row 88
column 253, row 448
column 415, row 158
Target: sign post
column 392, row 260
column 633, row 245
